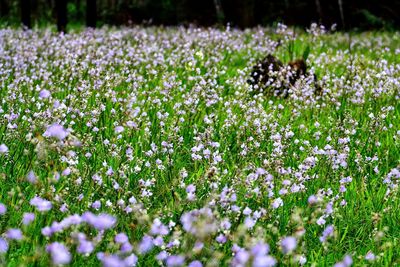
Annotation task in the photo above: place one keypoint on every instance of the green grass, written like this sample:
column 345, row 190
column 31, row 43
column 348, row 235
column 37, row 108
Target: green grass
column 186, row 107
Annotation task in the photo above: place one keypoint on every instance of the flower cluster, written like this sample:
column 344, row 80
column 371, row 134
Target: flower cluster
column 146, row 146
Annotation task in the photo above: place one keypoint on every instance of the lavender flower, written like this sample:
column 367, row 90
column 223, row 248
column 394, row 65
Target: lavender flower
column 327, row 233
column 14, row 234
column 111, row 260
column 119, row 129
column 3, row 246
column 191, row 192
column 146, row 244
column 3, row 149
column 221, row 238
column 195, row 264
column 31, row 177
column 241, row 258
column 41, row 204
column 346, row 262
column 3, row 209
column 101, row 222
column 288, row 244
column 260, row 249
column 175, row 261
column 162, row 256
column 27, row 218
column 57, row 131
column 121, row 238
column 131, row 260
column 264, row 261
column 59, row 253
column 126, row 247
column 277, row 203
column 370, row 256
column 249, row 222
column 85, row 247
column 96, row 205
column 44, row 94
column 158, row 228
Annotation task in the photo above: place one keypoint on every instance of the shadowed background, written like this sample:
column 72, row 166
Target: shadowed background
column 348, row 14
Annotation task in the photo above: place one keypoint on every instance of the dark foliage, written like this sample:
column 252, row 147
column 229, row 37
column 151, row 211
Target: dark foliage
column 91, row 13
column 271, row 77
column 61, row 6
column 366, row 14
column 25, row 13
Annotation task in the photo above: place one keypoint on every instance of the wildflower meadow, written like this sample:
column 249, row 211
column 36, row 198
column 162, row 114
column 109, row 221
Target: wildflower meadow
column 147, row 146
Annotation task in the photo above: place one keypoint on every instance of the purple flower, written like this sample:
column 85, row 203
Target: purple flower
column 327, row 233
column 96, row 205
column 175, row 260
column 277, row 203
column 221, row 238
column 14, row 234
column 3, row 149
column 3, row 246
column 46, row 231
column 44, row 94
column 59, row 253
column 121, row 238
column 28, row 218
column 57, row 131
column 288, row 244
column 111, row 260
column 119, row 129
column 66, row 172
column 249, row 222
column 131, row 260
column 3, row 209
column 226, row 224
column 158, row 228
column 260, row 249
column 329, row 208
column 247, row 211
column 158, row 241
column 146, row 244
column 241, row 258
column 85, row 247
column 31, row 177
column 264, row 261
column 195, row 264
column 101, row 222
column 162, row 256
column 190, row 188
column 126, row 247
column 346, row 262
column 370, row 256
column 191, row 192
column 312, row 199
column 41, row 204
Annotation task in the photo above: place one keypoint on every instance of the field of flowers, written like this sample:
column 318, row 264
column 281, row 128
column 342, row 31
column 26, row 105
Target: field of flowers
column 147, row 146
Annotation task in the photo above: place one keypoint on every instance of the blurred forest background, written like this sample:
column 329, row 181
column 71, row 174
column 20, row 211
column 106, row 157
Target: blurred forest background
column 347, row 14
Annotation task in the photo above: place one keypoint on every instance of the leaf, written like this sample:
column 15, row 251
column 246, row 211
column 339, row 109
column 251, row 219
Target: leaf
column 306, row 53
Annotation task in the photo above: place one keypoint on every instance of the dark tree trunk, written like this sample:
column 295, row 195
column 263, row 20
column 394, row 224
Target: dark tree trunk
column 91, row 13
column 219, row 11
column 26, row 13
column 78, row 10
column 247, row 9
column 61, row 6
column 319, row 11
column 4, row 8
column 340, row 3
